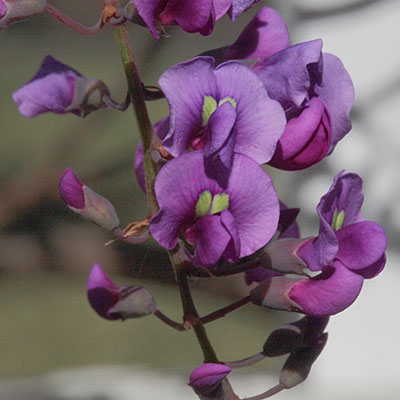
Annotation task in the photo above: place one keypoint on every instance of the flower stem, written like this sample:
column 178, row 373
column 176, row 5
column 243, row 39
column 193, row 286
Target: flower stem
column 75, row 26
column 136, row 92
column 168, row 321
column 225, row 310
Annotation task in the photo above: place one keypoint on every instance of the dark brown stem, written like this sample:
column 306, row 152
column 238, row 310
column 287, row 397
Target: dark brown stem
column 225, row 310
column 168, row 321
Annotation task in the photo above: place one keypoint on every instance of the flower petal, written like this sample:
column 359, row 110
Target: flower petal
column 240, row 6
column 148, row 11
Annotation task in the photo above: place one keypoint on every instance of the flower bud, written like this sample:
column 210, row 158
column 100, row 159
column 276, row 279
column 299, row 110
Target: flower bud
column 15, row 10
column 113, row 302
column 87, row 203
column 273, row 293
column 207, row 380
column 60, row 89
column 282, row 256
column 298, row 366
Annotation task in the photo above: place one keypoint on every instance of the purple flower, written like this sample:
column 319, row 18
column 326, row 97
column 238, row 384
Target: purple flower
column 222, row 110
column 207, row 380
column 316, row 93
column 240, row 6
column 114, row 302
column 87, row 203
column 15, row 10
column 191, row 15
column 59, row 89
column 347, row 250
column 232, row 222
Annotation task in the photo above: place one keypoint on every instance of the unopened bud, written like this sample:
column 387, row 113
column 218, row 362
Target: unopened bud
column 208, row 380
column 15, row 10
column 87, row 203
column 273, row 293
column 298, row 366
column 114, row 302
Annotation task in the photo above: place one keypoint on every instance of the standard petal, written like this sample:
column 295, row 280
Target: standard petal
column 337, row 93
column 260, row 121
column 253, row 203
column 265, row 35
column 286, row 75
column 185, row 85
column 361, row 244
column 329, row 293
column 148, row 11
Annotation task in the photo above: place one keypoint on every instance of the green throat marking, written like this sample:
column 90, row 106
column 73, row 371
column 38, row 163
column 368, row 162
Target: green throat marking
column 338, row 219
column 207, row 204
column 210, row 105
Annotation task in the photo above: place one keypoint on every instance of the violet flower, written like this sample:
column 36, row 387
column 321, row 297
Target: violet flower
column 222, row 110
column 316, row 93
column 114, row 302
column 347, row 250
column 60, row 89
column 87, row 203
column 15, row 10
column 232, row 222
column 191, row 15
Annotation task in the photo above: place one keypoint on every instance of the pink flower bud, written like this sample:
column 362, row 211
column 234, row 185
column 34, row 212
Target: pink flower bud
column 114, row 302
column 84, row 201
column 14, row 10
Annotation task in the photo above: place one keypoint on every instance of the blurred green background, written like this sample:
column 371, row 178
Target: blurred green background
column 46, row 251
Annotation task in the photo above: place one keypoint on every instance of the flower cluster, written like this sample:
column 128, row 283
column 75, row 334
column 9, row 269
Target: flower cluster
column 212, row 205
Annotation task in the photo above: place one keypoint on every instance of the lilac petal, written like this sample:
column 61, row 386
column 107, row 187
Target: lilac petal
column 139, row 167
column 191, row 16
column 102, row 293
column 253, row 203
column 329, row 293
column 185, row 86
column 161, row 128
column 148, row 11
column 210, row 238
column 286, row 75
column 51, row 89
column 260, row 121
column 345, row 194
column 240, row 6
column 71, row 190
column 232, row 250
column 305, row 140
column 165, row 227
column 3, row 9
column 258, row 275
column 373, row 270
column 337, row 93
column 221, row 7
column 208, row 374
column 265, row 35
column 361, row 244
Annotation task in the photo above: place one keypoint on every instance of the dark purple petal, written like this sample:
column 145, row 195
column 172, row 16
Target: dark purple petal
column 306, row 139
column 345, row 194
column 361, row 244
column 240, row 6
column 210, row 238
column 161, row 128
column 191, row 16
column 102, row 293
column 337, row 93
column 185, row 86
column 232, row 250
column 265, row 35
column 260, row 121
column 148, row 10
column 139, row 167
column 258, row 275
column 71, row 190
column 286, row 75
column 331, row 292
column 208, row 374
column 51, row 89
column 373, row 270
column 253, row 203
column 288, row 226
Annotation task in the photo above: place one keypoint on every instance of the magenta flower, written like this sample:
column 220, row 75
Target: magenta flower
column 114, row 302
column 15, row 10
column 232, row 222
column 207, row 380
column 87, row 203
column 317, row 94
column 59, row 89
column 191, row 15
column 347, row 250
column 222, row 110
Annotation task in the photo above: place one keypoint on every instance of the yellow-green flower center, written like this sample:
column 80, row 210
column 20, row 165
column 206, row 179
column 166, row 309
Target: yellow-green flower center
column 338, row 219
column 210, row 105
column 207, row 204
